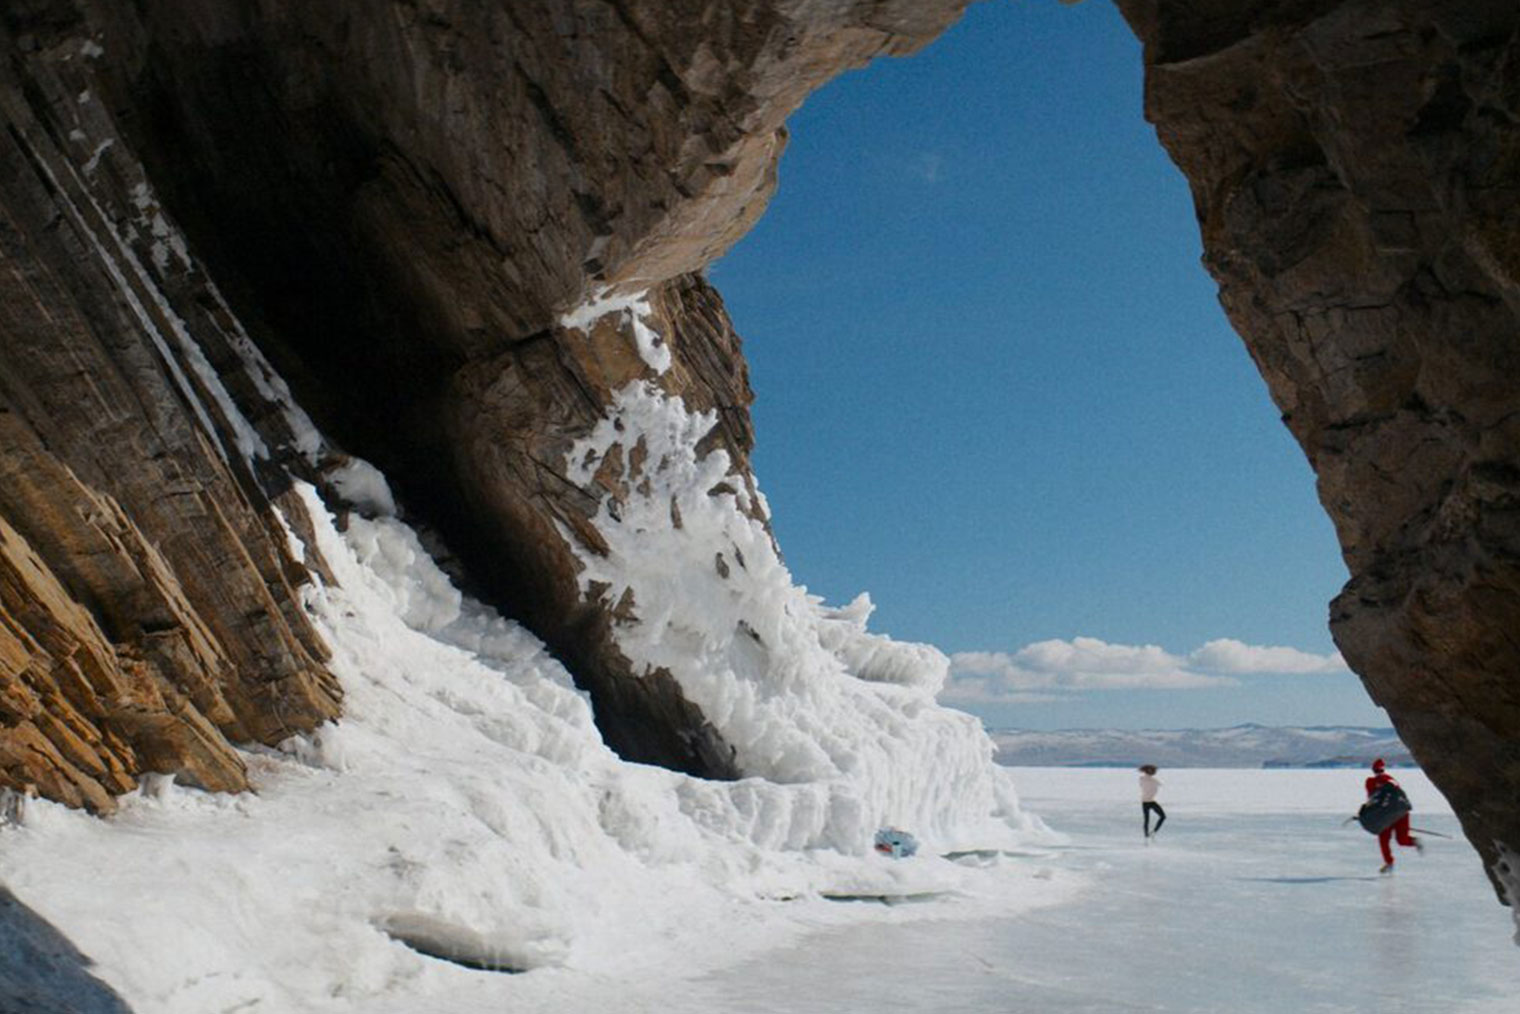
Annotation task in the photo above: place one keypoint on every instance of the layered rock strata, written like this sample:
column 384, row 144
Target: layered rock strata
column 401, row 200
column 1356, row 172
column 147, row 604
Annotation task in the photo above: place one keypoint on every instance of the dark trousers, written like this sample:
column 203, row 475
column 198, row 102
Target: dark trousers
column 1145, row 817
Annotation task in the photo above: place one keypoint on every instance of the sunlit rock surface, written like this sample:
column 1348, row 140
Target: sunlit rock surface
column 1356, row 169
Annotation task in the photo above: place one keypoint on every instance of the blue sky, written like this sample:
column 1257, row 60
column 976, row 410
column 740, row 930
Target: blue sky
column 996, row 391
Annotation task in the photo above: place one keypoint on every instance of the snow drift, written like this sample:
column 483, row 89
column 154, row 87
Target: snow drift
column 807, row 697
column 464, row 814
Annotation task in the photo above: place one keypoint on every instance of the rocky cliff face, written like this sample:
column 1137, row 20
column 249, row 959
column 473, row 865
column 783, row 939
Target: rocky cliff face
column 147, row 606
column 431, row 218
column 1356, row 171
column 395, row 203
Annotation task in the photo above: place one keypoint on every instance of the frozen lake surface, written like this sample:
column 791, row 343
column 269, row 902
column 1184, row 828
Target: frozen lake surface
column 1255, row 898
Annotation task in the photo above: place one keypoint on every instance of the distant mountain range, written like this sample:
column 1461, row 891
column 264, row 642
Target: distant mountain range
column 1240, row 746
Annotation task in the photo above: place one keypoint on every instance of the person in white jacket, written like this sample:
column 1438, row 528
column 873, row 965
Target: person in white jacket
column 1149, row 786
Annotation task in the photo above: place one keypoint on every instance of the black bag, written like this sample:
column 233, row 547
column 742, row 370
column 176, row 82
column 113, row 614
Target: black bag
column 1383, row 808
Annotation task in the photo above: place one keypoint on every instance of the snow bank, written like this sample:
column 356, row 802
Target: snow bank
column 465, row 808
column 464, row 814
column 803, row 693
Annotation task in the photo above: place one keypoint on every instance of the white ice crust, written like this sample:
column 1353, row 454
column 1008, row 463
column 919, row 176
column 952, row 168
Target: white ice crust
column 465, row 801
column 804, row 694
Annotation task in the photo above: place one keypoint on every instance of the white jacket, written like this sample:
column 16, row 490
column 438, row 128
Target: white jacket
column 1148, row 786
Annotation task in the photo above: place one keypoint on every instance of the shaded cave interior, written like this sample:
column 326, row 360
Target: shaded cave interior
column 282, row 209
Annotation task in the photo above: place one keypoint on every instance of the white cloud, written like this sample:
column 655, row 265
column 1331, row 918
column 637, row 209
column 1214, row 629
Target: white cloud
column 1092, row 656
column 1227, row 655
column 1057, row 669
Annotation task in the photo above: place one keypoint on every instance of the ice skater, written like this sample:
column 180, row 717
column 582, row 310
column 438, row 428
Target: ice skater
column 1386, row 789
column 1149, row 786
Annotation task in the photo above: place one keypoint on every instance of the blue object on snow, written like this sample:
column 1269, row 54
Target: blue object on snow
column 895, row 843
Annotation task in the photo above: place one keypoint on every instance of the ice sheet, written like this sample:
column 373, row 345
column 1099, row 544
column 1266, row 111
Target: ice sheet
column 1255, row 899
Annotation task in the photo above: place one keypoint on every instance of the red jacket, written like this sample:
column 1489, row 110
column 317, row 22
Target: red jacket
column 1381, row 778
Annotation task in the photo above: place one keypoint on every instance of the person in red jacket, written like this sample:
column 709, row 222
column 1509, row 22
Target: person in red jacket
column 1398, row 829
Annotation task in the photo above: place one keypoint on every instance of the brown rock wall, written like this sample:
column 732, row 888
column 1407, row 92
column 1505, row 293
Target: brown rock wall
column 1356, row 171
column 150, row 592
column 399, row 199
column 402, row 198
